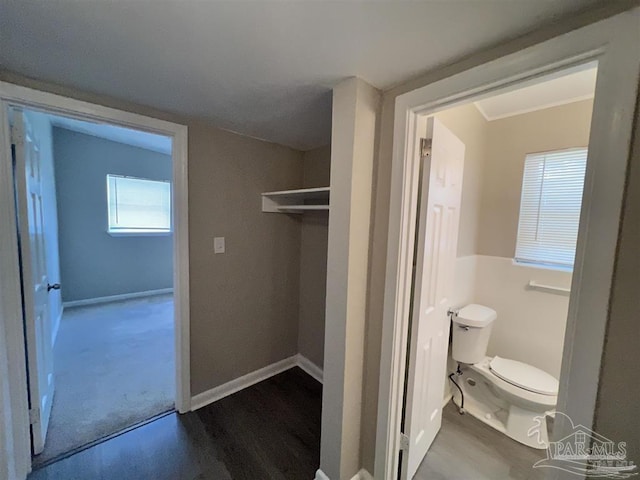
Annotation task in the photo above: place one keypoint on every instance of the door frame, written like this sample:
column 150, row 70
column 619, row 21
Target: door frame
column 16, row 449
column 607, row 41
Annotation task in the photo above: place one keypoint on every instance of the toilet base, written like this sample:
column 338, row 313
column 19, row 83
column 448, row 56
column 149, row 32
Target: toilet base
column 518, row 425
column 482, row 401
column 519, row 428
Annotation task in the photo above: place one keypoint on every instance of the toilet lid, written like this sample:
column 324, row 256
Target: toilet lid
column 524, row 376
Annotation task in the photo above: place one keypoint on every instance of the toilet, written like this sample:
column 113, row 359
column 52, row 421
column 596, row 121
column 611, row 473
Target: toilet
column 510, row 396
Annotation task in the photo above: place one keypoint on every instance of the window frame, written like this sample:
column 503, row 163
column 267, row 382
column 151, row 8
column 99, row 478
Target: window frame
column 138, row 232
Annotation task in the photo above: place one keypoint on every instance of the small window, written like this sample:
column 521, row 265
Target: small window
column 550, row 207
column 138, row 206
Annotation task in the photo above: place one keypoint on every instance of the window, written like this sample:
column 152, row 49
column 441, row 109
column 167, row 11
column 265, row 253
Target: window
column 550, row 207
column 138, row 206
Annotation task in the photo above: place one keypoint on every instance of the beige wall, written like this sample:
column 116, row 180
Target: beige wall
column 313, row 261
column 244, row 303
column 494, row 164
column 355, row 114
column 468, row 124
column 509, row 141
column 253, row 287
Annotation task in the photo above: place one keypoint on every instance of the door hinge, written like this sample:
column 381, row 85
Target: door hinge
column 34, row 416
column 425, row 147
column 16, row 137
column 404, row 442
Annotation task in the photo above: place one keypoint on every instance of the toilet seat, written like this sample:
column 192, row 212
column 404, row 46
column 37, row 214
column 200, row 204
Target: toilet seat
column 524, row 376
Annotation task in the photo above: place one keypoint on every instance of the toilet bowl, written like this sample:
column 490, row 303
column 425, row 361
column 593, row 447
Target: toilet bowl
column 510, row 396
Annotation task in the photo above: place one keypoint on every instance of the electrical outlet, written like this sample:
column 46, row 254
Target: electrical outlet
column 218, row 245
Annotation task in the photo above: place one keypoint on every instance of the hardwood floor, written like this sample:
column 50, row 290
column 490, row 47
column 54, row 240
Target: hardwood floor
column 268, row 431
column 271, row 431
column 467, row 449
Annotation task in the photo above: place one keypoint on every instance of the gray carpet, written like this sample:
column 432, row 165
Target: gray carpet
column 114, row 367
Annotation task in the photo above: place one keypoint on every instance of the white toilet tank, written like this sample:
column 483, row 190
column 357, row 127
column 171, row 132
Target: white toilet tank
column 471, row 331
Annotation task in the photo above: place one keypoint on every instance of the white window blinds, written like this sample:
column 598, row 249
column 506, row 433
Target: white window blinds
column 137, row 205
column 550, row 207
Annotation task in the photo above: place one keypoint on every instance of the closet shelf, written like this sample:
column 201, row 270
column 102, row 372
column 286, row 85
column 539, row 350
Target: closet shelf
column 296, row 201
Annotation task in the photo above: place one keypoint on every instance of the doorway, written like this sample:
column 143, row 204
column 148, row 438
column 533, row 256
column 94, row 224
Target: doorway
column 98, row 339
column 525, row 155
column 94, row 228
column 595, row 251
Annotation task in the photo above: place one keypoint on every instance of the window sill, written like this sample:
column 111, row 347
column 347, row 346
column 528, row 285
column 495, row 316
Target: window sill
column 542, row 266
column 138, row 233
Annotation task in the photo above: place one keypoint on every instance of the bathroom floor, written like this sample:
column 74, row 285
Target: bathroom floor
column 113, row 367
column 467, row 449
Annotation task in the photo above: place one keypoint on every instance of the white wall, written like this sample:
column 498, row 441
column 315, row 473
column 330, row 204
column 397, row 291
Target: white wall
column 531, row 324
column 41, row 128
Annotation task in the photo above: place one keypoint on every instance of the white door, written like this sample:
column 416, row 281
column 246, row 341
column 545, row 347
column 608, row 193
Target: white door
column 436, row 245
column 34, row 278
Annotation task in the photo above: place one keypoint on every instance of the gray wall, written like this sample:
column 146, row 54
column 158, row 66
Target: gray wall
column 244, row 303
column 619, row 389
column 93, row 263
column 313, row 261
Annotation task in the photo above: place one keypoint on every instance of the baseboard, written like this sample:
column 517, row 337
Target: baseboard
column 447, row 399
column 320, row 475
column 116, row 298
column 361, row 475
column 309, row 367
column 213, row 395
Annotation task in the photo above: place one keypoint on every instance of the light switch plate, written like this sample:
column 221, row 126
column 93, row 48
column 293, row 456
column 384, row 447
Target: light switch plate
column 218, row 245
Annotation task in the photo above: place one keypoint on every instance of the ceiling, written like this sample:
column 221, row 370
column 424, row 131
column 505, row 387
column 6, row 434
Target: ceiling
column 567, row 87
column 136, row 138
column 262, row 68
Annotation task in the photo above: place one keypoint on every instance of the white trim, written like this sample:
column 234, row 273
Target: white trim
column 320, row 475
column 15, row 442
column 116, row 298
column 607, row 42
column 217, row 393
column 309, row 367
column 14, row 95
column 138, row 233
column 539, row 266
column 362, row 475
column 542, row 106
